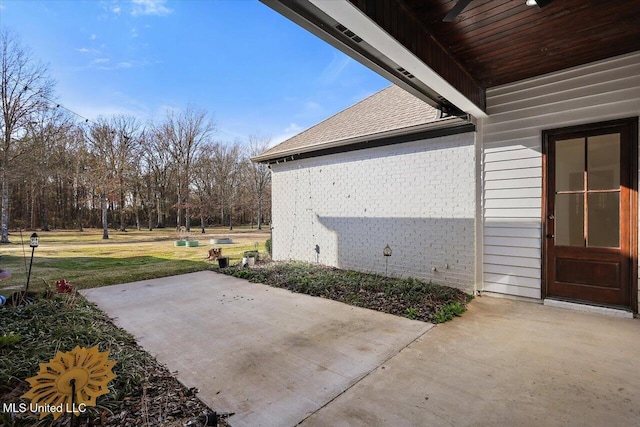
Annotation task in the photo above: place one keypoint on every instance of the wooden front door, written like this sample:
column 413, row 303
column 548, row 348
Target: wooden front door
column 590, row 214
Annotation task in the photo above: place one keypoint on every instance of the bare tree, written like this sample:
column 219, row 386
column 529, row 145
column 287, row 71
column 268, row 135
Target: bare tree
column 114, row 145
column 205, row 181
column 100, row 136
column 157, row 155
column 79, row 152
column 227, row 162
column 259, row 174
column 144, row 182
column 49, row 135
column 24, row 89
column 137, row 183
column 185, row 132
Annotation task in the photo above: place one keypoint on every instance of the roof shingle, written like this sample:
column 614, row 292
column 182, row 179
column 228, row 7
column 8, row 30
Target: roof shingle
column 390, row 109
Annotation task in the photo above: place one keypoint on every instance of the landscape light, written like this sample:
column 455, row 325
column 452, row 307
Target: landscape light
column 387, row 253
column 33, row 243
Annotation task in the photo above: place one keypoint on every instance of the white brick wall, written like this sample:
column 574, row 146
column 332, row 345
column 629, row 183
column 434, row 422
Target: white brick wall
column 418, row 197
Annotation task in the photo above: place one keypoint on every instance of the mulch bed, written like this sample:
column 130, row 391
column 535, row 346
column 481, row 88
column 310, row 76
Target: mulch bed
column 164, row 401
column 145, row 392
column 407, row 297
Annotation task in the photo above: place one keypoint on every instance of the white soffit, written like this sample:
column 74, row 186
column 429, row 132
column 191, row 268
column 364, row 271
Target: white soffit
column 352, row 18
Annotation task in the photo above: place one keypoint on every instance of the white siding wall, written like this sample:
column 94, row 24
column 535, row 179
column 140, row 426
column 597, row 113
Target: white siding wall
column 418, row 197
column 512, row 160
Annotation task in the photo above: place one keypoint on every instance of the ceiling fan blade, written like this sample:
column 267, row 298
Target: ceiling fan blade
column 543, row 3
column 457, row 9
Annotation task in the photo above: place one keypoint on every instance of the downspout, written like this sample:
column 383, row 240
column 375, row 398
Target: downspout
column 271, row 215
column 479, row 217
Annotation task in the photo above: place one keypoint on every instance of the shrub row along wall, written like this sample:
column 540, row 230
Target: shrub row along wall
column 417, row 197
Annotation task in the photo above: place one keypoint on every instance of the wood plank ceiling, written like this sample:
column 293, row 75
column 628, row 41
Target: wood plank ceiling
column 502, row 41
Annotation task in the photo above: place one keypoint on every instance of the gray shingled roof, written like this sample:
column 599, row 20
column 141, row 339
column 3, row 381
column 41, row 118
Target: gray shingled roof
column 391, row 109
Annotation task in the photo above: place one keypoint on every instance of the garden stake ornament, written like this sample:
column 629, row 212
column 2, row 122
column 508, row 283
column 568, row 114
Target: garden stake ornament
column 70, row 382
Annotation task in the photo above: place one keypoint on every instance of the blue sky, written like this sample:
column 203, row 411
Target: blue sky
column 254, row 70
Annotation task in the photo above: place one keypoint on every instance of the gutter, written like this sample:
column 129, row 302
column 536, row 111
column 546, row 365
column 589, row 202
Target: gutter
column 442, row 127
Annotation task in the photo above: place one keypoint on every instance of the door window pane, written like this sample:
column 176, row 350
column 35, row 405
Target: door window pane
column 604, row 219
column 569, row 220
column 604, row 162
column 570, row 164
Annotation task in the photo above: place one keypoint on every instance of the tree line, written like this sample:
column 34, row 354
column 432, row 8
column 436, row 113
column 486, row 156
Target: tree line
column 115, row 172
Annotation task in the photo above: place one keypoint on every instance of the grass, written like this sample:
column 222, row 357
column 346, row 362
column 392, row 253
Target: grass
column 411, row 298
column 88, row 261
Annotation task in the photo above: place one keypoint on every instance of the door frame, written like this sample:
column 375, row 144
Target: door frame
column 632, row 122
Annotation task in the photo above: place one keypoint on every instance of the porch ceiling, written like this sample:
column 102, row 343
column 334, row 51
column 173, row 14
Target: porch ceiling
column 492, row 42
column 502, row 41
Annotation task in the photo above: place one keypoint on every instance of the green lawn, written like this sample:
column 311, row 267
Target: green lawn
column 88, row 261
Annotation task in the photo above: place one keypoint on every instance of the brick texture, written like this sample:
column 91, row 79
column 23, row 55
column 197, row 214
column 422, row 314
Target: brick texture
column 418, row 197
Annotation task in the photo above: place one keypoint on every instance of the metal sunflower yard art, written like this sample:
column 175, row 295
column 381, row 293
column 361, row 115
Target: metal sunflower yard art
column 70, row 382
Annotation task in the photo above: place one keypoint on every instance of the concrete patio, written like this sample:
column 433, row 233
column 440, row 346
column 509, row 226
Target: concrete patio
column 280, row 359
column 270, row 356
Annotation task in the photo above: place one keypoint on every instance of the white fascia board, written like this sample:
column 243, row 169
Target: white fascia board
column 449, row 122
column 352, row 18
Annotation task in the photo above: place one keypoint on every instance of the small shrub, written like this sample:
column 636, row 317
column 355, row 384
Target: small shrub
column 243, row 274
column 448, row 312
column 267, row 246
column 9, row 340
column 411, row 313
column 251, row 254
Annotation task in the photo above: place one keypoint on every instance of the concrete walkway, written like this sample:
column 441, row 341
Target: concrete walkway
column 281, row 359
